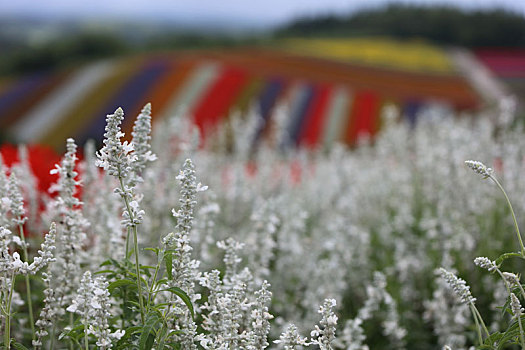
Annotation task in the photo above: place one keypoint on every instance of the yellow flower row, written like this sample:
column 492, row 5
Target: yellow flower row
column 389, row 53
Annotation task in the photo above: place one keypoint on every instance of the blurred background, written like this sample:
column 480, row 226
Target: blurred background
column 333, row 64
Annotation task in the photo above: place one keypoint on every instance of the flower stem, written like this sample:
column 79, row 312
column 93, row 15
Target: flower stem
column 86, row 340
column 478, row 328
column 136, row 246
column 481, row 320
column 504, row 280
column 7, row 329
column 522, row 340
column 28, row 284
column 522, row 248
column 150, row 292
column 71, row 347
column 128, row 233
column 137, row 266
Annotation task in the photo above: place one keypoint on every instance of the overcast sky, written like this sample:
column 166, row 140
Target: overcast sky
column 260, row 12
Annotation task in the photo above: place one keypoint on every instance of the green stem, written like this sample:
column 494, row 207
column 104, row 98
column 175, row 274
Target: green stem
column 52, row 340
column 159, row 261
column 137, row 266
column 478, row 328
column 481, row 321
column 71, row 346
column 86, row 340
column 522, row 340
column 28, row 284
column 521, row 290
column 7, row 330
column 504, row 280
column 522, row 248
column 128, row 233
column 136, row 245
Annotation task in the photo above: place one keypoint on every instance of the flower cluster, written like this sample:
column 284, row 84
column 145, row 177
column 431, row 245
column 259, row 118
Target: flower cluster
column 16, row 202
column 291, row 339
column 325, row 335
column 92, row 304
column 141, row 144
column 485, row 263
column 115, row 157
column 459, row 286
column 479, row 168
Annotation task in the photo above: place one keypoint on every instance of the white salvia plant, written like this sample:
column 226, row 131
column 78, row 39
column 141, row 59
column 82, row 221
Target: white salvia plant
column 117, row 159
column 479, row 168
column 4, row 199
column 101, row 208
column 491, row 266
column 27, row 182
column 16, row 202
column 352, row 337
column 184, row 270
column 18, row 219
column 462, row 290
column 323, row 334
column 517, row 311
column 64, row 276
column 486, row 263
column 260, row 319
column 450, row 318
column 487, row 172
column 47, row 317
column 92, row 303
column 291, row 339
column 101, row 306
column 459, row 286
column 265, row 226
column 513, row 281
column 377, row 295
column 11, row 265
column 141, row 145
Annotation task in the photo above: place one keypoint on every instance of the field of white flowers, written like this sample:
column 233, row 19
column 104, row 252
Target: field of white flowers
column 236, row 249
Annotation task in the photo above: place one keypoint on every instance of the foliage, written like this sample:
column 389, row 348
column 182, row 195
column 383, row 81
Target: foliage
column 446, row 25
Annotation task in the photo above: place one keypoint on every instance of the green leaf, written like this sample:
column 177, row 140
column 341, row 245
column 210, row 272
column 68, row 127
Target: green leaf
column 146, row 267
column 168, row 259
column 111, row 262
column 184, row 297
column 161, row 281
column 162, row 337
column 147, row 336
column 120, row 283
column 18, row 346
column 155, row 250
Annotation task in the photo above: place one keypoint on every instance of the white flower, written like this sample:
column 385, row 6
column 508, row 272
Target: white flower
column 458, row 285
column 511, row 278
column 479, row 168
column 515, row 305
column 485, row 263
column 115, row 157
column 118, row 334
column 201, row 187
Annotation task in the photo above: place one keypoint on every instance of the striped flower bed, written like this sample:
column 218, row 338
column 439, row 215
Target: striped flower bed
column 329, row 100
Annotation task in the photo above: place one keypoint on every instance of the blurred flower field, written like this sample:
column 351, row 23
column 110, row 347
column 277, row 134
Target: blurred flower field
column 335, row 89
